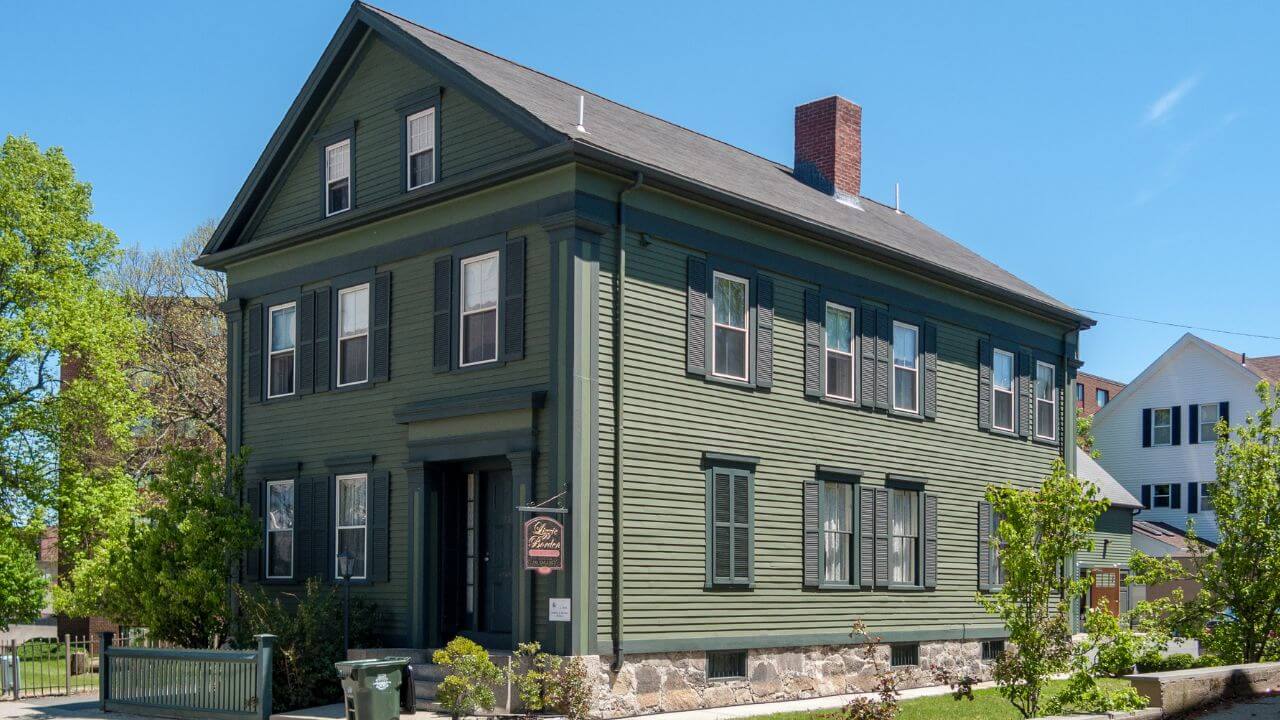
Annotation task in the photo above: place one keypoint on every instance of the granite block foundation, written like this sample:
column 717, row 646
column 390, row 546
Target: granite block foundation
column 670, row 682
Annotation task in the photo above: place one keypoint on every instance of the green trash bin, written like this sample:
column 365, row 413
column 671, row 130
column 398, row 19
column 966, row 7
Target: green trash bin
column 371, row 688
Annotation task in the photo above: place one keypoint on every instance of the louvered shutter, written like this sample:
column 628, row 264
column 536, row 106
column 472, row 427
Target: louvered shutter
column 1193, row 498
column 930, row 370
column 513, row 300
column 984, row 545
column 696, row 317
column 764, row 332
column 867, row 370
column 1193, row 424
column 930, row 562
column 254, row 557
column 303, row 508
column 1224, row 411
column 722, row 527
column 741, row 527
column 866, row 536
column 813, row 343
column 323, row 333
column 1176, row 429
column 1026, row 395
column 984, row 384
column 442, row 315
column 381, row 328
column 884, row 359
column 1146, row 427
column 253, row 353
column 1175, row 496
column 306, row 344
column 882, row 537
column 1146, row 496
column 812, row 534
column 321, row 524
column 329, row 560
column 379, row 522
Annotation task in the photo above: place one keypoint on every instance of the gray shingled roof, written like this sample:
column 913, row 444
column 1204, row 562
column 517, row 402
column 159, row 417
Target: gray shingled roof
column 659, row 144
column 1088, row 469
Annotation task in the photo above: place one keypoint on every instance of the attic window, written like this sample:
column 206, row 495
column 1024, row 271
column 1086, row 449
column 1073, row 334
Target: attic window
column 337, row 173
column 420, row 128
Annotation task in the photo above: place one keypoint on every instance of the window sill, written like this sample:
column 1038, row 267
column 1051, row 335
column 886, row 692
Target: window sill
column 908, row 588
column 907, row 414
column 1048, row 442
column 477, row 367
column 838, row 588
column 353, row 386
column 841, row 402
column 1011, row 434
column 731, row 382
column 730, row 587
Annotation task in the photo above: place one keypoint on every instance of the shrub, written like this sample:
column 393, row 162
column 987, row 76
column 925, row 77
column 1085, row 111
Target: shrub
column 547, row 682
column 308, row 640
column 1083, row 694
column 1154, row 662
column 471, row 679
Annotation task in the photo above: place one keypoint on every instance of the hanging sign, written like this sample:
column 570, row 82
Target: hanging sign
column 543, row 544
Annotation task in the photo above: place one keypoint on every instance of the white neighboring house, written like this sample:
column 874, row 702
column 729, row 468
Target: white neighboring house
column 1155, row 437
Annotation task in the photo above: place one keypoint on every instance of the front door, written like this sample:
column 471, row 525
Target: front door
column 1106, row 589
column 496, row 561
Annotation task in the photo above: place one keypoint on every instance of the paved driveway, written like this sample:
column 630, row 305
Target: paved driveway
column 1268, row 707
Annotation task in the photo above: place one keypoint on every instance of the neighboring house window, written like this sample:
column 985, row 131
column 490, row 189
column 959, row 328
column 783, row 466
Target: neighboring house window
column 906, row 355
column 1205, row 502
column 837, row 532
column 904, row 536
column 1161, row 495
column 353, row 521
column 353, row 335
column 1002, row 390
column 421, row 132
column 282, row 342
column 1162, row 426
column 730, row 541
column 731, row 335
column 478, row 319
column 1209, row 413
column 1102, row 397
column 280, row 529
column 840, row 374
column 337, row 174
column 1079, row 392
column 1046, row 403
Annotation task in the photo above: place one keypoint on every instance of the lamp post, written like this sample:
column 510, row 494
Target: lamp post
column 345, row 560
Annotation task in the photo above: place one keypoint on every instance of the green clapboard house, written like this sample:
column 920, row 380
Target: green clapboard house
column 466, row 295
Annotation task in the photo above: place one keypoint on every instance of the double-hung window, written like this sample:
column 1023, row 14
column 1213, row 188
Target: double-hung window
column 1046, row 402
column 1079, row 393
column 280, row 529
column 1162, row 426
column 1103, row 397
column 1206, row 503
column 283, row 340
column 1161, row 495
column 352, row 524
column 836, row 507
column 1002, row 390
column 904, row 536
column 478, row 321
column 337, row 177
column 353, row 335
column 729, row 327
column 840, row 365
column 420, row 130
column 906, row 367
column 1209, row 413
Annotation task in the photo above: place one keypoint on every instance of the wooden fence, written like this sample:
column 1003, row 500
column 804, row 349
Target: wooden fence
column 48, row 666
column 219, row 684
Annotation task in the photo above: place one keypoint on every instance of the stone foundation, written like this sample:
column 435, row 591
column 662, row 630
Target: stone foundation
column 669, row 682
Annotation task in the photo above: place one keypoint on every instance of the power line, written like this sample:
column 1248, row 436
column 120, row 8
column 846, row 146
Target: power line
column 1184, row 327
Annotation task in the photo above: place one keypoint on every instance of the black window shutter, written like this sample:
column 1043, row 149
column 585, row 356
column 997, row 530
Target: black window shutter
column 930, row 561
column 442, row 315
column 1146, row 496
column 1193, row 424
column 812, row 534
column 303, row 542
column 764, row 331
column 1146, row 427
column 322, row 345
column 329, row 560
column 729, row 542
column 1176, row 412
column 306, row 343
column 866, row 536
column 513, row 300
column 984, row 545
column 884, row 359
column 1026, row 398
column 253, row 353
column 1193, row 498
column 379, row 521
column 380, row 325
column 985, row 358
column 882, row 537
column 696, row 317
column 322, row 558
column 742, row 540
column 1224, row 411
column 1175, row 496
column 867, row 374
column 253, row 558
column 813, row 342
column 930, row 370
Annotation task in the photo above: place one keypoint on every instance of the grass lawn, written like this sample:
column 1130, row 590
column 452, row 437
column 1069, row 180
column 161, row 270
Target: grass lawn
column 48, row 674
column 987, row 705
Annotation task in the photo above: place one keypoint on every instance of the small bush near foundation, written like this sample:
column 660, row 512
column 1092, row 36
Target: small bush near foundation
column 1154, row 662
column 472, row 676
column 885, row 705
column 548, row 682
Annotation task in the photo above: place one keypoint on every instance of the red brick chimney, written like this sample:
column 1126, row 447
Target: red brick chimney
column 829, row 146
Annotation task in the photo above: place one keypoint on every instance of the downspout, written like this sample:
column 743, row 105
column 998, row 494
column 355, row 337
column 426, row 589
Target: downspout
column 619, row 425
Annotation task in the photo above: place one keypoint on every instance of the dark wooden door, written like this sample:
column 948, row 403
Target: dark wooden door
column 1106, row 589
column 496, row 562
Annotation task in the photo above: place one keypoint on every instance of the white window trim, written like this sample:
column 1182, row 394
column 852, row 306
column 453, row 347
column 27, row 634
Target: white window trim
column 1052, row 401
column 746, row 321
column 917, row 499
column 408, row 150
column 826, row 348
column 1204, row 503
column 1217, row 415
column 329, row 181
column 1101, row 396
column 1011, row 392
column 338, row 527
column 463, row 313
column 272, row 353
column 914, row 370
column 1155, row 425
column 338, row 370
column 292, row 546
column 1168, row 498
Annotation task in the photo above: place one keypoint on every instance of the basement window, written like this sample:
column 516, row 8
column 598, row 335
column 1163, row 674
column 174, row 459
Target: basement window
column 727, row 665
column 991, row 650
column 904, row 655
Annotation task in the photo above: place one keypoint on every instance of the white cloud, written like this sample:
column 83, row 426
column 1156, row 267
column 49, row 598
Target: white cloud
column 1168, row 101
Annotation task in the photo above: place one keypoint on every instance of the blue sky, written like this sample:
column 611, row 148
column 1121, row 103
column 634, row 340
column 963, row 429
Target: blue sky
column 1121, row 156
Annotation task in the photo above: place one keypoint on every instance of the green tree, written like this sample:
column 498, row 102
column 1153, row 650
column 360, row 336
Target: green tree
column 1236, row 613
column 1039, row 532
column 22, row 585
column 1084, row 434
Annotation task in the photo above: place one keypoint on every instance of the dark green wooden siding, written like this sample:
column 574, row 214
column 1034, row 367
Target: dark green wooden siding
column 1116, row 526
